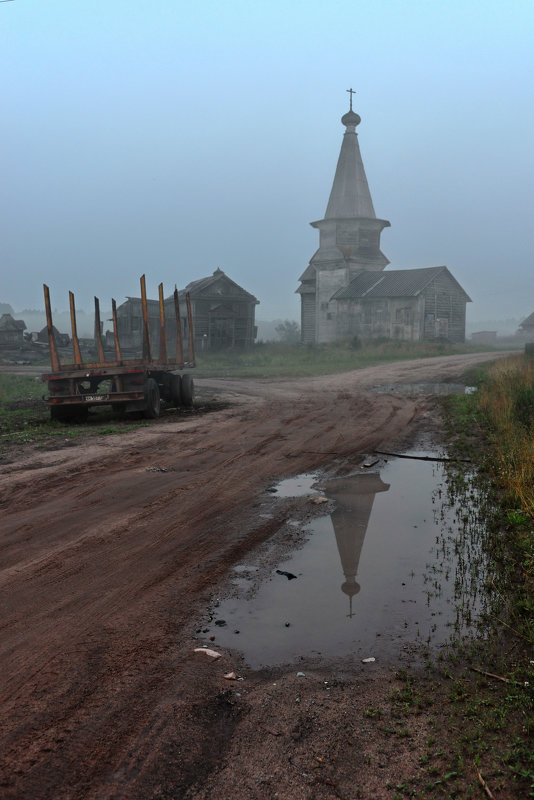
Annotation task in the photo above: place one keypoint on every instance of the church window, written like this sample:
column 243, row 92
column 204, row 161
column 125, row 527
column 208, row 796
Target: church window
column 324, row 306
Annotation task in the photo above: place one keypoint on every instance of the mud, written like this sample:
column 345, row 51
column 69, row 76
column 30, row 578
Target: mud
column 108, row 564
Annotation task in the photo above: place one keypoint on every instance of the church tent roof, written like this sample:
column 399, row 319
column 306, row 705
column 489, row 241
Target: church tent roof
column 350, row 196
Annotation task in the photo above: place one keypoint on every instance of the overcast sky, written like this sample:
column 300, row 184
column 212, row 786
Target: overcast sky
column 173, row 137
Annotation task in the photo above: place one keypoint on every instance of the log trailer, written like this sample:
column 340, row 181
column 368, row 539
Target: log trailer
column 133, row 384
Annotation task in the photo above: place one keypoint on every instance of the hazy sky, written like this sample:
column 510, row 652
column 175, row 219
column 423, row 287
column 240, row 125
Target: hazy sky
column 173, row 137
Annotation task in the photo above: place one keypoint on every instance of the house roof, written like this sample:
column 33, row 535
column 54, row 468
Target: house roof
column 308, row 274
column 7, row 323
column 393, row 283
column 528, row 322
column 200, row 285
column 44, row 332
column 194, row 289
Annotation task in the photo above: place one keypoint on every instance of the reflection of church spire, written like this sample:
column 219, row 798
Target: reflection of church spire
column 354, row 497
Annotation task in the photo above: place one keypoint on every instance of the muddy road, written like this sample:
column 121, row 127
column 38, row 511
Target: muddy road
column 111, row 553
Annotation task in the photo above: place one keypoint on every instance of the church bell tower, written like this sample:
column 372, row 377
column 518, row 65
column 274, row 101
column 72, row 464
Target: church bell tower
column 349, row 239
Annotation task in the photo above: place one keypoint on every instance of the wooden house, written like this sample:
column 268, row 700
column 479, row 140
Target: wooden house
column 223, row 316
column 527, row 326
column 223, row 312
column 11, row 331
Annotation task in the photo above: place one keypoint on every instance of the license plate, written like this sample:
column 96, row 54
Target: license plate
column 92, row 397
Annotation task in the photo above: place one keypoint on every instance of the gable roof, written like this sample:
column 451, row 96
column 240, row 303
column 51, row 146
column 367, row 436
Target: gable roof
column 198, row 286
column 309, row 274
column 393, row 283
column 7, row 323
column 528, row 322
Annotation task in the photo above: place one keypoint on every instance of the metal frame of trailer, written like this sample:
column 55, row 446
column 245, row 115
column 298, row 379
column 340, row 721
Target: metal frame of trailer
column 135, row 384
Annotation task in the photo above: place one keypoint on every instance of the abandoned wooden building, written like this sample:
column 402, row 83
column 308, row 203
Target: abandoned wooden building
column 11, row 331
column 410, row 304
column 526, row 328
column 62, row 339
column 223, row 315
column 346, row 290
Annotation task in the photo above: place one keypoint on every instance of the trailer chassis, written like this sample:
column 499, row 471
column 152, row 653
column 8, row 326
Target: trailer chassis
column 137, row 384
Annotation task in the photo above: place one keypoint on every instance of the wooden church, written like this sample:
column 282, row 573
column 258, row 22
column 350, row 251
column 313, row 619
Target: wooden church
column 347, row 291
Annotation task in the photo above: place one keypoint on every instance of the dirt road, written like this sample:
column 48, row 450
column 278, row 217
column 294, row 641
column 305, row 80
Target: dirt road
column 111, row 552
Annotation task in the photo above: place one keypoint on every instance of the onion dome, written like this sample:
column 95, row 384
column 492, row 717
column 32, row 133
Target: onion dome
column 351, row 119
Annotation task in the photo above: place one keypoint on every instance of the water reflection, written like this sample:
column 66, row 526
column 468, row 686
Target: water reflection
column 355, row 497
column 402, row 548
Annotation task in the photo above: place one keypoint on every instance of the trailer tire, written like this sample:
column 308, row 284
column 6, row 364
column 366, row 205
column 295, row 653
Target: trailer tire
column 175, row 389
column 69, row 413
column 60, row 414
column 188, row 390
column 153, row 400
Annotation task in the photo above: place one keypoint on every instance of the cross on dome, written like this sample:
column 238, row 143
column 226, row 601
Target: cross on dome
column 351, row 92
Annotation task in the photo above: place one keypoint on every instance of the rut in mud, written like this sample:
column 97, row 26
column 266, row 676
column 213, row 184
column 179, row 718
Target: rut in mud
column 111, row 552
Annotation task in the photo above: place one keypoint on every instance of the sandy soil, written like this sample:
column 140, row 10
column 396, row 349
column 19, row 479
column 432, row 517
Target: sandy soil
column 111, row 553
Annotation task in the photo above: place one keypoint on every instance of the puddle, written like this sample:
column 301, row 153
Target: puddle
column 240, row 568
column 300, row 486
column 390, row 568
column 425, row 388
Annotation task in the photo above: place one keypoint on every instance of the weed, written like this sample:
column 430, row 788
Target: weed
column 373, row 713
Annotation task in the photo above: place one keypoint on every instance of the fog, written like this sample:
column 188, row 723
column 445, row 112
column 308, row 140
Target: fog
column 172, row 138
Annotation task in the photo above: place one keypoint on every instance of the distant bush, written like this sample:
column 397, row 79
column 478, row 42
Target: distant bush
column 288, row 332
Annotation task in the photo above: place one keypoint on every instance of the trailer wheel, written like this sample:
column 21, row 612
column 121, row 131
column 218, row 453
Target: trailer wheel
column 188, row 390
column 60, row 414
column 69, row 413
column 153, row 400
column 175, row 389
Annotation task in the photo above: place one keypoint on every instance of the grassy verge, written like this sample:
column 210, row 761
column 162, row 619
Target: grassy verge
column 281, row 360
column 478, row 697
column 503, row 410
column 25, row 419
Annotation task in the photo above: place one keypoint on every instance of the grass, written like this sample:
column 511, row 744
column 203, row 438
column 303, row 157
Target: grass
column 480, row 694
column 19, row 388
column 25, row 419
column 295, row 361
column 507, row 404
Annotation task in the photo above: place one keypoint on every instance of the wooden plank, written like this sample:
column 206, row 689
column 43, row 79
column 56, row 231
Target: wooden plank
column 54, row 358
column 75, row 343
column 179, row 339
column 116, row 331
column 162, row 333
column 147, row 348
column 98, row 335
